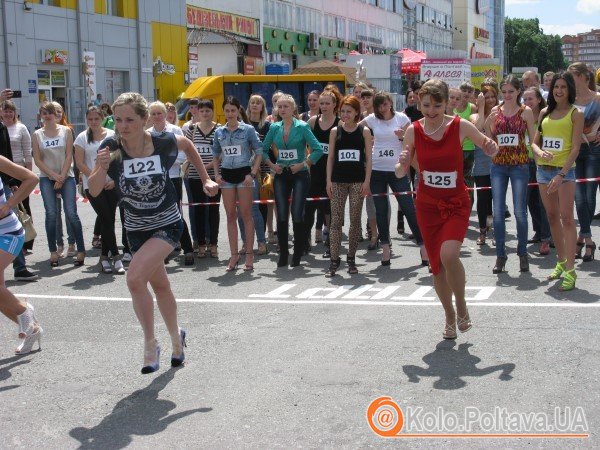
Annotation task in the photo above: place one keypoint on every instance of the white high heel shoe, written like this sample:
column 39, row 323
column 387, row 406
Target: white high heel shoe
column 27, row 344
column 26, row 321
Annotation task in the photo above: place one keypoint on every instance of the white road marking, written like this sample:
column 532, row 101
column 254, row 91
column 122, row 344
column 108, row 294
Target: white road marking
column 557, row 304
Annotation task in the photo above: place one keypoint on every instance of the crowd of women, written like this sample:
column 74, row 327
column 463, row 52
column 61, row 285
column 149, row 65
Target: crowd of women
column 343, row 148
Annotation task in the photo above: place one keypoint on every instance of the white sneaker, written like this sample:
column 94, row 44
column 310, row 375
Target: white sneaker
column 119, row 267
column 105, row 263
column 127, row 257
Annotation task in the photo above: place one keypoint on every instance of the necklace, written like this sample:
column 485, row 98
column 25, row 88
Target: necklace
column 434, row 131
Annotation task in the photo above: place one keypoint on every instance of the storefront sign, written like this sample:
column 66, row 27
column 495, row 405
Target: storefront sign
column 481, row 34
column 89, row 72
column 253, row 66
column 193, row 69
column 44, row 77
column 58, row 78
column 222, row 21
column 32, row 86
column 55, row 56
column 480, row 72
column 372, row 40
column 160, row 67
column 452, row 71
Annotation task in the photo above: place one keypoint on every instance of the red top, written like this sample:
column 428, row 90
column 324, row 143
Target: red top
column 440, row 162
column 512, row 150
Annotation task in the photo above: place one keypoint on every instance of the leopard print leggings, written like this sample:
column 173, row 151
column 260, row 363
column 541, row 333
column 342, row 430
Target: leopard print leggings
column 341, row 191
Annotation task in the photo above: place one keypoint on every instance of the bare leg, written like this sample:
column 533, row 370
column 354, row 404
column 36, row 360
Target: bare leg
column 229, row 198
column 166, row 305
column 455, row 274
column 145, row 263
column 10, row 305
column 245, row 196
column 566, row 200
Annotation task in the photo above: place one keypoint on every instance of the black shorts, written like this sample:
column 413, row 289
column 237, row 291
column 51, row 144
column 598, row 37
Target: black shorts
column 171, row 234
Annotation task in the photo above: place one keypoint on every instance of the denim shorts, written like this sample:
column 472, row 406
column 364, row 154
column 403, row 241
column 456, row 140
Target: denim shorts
column 227, row 185
column 171, row 234
column 12, row 243
column 545, row 173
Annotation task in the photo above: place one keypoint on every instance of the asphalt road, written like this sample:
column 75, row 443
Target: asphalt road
column 282, row 358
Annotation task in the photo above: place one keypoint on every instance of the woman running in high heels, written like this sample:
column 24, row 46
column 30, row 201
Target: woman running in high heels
column 12, row 238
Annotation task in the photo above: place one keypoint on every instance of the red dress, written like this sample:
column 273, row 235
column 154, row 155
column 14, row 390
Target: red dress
column 443, row 204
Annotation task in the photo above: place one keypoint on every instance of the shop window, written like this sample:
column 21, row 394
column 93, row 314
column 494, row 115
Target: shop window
column 117, row 82
column 114, row 8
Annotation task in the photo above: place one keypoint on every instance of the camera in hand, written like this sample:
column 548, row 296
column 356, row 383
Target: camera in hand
column 17, row 94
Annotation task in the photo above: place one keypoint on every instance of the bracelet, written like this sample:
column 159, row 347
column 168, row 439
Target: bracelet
column 561, row 174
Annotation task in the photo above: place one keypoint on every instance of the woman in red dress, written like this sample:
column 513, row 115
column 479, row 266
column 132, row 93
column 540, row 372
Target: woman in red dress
column 443, row 204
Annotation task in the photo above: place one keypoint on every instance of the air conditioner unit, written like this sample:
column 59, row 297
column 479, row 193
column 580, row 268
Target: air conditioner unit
column 313, row 41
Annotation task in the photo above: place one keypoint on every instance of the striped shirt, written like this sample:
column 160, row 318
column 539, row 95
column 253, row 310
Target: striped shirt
column 146, row 192
column 203, row 143
column 9, row 224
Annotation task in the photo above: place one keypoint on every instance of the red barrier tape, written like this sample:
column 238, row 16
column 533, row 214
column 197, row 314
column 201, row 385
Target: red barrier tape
column 317, row 199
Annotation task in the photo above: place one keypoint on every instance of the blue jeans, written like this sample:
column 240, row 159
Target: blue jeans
column 539, row 219
column 259, row 223
column 288, row 185
column 68, row 193
column 380, row 180
column 59, row 226
column 519, row 177
column 587, row 165
column 19, row 261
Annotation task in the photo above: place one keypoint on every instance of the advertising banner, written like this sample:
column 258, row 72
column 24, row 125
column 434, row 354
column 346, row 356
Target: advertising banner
column 452, row 71
column 480, row 72
column 89, row 72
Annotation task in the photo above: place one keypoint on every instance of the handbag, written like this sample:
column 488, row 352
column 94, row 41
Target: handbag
column 26, row 222
column 267, row 192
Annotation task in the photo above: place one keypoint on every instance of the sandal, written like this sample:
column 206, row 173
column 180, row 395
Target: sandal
column 262, row 249
column 449, row 331
column 568, row 282
column 351, row 261
column 591, row 256
column 202, row 251
column 249, row 267
column 233, row 263
column 214, row 251
column 558, row 270
column 334, row 265
column 464, row 324
column 374, row 243
column 80, row 259
column 96, row 242
column 54, row 259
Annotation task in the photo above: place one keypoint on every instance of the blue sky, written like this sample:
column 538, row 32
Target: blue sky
column 558, row 16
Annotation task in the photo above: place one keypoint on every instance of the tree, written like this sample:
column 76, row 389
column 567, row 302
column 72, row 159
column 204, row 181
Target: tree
column 528, row 46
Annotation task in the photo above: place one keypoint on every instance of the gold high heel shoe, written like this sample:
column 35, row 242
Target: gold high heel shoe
column 80, row 259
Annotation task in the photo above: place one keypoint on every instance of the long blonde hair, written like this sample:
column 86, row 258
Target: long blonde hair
column 263, row 111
